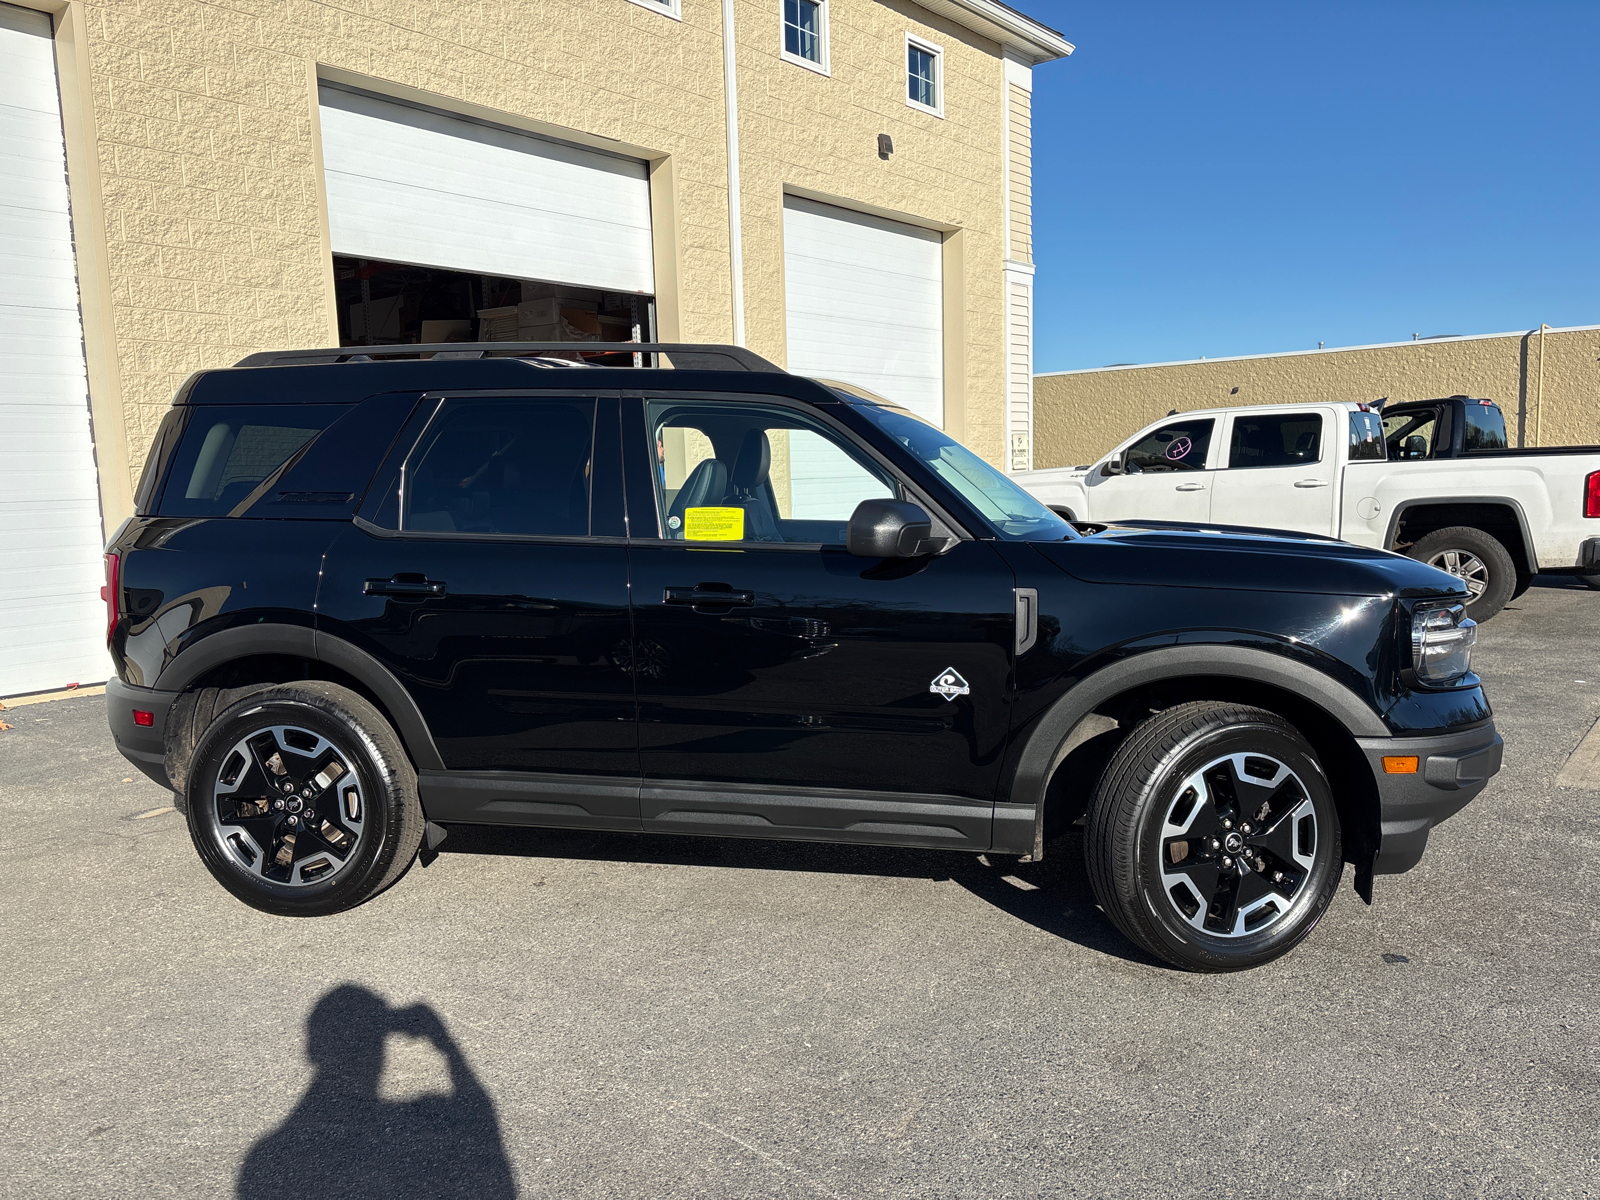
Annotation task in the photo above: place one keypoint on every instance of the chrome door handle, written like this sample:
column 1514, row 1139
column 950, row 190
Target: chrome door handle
column 1310, row 483
column 1190, row 487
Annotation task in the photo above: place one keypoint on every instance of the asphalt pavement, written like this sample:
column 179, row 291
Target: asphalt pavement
column 584, row 1015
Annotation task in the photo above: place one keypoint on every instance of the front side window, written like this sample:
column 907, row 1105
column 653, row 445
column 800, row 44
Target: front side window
column 805, row 31
column 1366, row 437
column 518, row 466
column 756, row 473
column 1015, row 515
column 1180, row 446
column 1486, row 427
column 1410, row 435
column 1275, row 440
column 922, row 77
column 227, row 451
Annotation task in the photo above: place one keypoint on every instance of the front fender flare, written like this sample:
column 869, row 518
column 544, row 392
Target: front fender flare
column 1049, row 737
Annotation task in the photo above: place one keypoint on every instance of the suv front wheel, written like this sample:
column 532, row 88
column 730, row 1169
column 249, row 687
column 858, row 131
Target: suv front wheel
column 301, row 800
column 1213, row 841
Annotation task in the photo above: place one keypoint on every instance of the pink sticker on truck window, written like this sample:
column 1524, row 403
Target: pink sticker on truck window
column 1180, row 448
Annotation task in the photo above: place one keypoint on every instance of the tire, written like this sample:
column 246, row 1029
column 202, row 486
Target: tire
column 1182, row 773
column 301, row 801
column 1478, row 559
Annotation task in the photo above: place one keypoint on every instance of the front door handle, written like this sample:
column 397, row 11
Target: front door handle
column 1310, row 483
column 408, row 587
column 1190, row 487
column 701, row 594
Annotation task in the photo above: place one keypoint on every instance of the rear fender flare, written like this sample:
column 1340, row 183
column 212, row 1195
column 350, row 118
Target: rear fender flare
column 298, row 641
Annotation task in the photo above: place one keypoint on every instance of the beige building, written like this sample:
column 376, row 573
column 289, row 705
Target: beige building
column 1547, row 381
column 843, row 185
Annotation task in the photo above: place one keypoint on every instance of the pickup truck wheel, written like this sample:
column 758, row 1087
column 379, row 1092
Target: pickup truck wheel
column 301, row 801
column 1213, row 841
column 1478, row 559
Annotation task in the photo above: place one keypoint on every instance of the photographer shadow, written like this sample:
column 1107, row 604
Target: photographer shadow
column 344, row 1139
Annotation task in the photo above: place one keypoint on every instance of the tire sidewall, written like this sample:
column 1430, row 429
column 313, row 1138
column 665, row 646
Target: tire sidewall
column 380, row 791
column 1485, row 547
column 1196, row 947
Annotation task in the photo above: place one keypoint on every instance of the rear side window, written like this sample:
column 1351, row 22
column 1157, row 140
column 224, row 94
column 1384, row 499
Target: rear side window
column 1366, row 437
column 227, row 450
column 1181, row 446
column 519, row 466
column 1486, row 427
column 1275, row 440
column 1410, row 435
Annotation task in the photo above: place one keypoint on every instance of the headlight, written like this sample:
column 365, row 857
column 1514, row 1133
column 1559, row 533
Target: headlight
column 1441, row 643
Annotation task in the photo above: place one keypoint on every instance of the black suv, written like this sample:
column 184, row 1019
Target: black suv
column 369, row 593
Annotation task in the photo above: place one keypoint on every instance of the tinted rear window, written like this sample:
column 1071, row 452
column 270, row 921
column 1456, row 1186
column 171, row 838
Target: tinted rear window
column 1486, row 427
column 227, row 450
column 1275, row 440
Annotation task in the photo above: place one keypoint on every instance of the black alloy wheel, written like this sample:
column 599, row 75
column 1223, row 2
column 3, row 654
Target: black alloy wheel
column 1478, row 559
column 1213, row 841
column 301, row 801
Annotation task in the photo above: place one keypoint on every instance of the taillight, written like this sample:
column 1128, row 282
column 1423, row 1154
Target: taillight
column 112, row 594
column 1591, row 495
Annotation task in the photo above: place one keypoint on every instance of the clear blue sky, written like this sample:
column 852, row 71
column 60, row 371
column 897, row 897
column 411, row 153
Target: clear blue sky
column 1241, row 177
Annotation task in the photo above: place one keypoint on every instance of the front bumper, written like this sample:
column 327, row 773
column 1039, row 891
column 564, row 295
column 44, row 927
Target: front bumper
column 1452, row 768
column 145, row 746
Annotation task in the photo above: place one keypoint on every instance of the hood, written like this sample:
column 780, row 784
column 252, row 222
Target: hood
column 1245, row 560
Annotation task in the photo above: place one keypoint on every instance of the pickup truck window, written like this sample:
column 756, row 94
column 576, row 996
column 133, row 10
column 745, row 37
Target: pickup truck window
column 1181, row 446
column 1275, row 440
column 1410, row 435
column 1366, row 438
column 1486, row 427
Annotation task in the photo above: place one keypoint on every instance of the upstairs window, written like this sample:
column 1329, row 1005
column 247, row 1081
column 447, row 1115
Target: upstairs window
column 805, row 33
column 672, row 8
column 924, row 76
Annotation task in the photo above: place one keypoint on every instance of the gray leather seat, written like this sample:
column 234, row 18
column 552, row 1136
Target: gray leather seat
column 748, row 481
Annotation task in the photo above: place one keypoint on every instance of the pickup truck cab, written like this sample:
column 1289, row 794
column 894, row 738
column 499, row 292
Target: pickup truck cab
column 1433, row 479
column 371, row 593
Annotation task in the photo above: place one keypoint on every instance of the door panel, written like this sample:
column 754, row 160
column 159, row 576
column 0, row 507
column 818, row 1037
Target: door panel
column 1281, row 473
column 800, row 705
column 508, row 625
column 1166, row 477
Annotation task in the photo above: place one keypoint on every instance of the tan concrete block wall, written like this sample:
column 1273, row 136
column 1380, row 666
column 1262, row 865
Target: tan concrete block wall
column 205, row 116
column 1080, row 415
column 805, row 130
column 204, row 113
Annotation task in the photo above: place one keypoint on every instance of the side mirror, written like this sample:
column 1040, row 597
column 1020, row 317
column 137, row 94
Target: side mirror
column 1113, row 466
column 891, row 529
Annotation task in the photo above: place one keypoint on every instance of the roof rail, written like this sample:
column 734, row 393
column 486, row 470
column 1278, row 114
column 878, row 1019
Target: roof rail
column 684, row 356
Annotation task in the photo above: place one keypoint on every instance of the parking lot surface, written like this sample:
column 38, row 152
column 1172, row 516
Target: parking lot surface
column 614, row 1016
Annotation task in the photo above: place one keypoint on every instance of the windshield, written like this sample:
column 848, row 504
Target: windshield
column 1016, row 515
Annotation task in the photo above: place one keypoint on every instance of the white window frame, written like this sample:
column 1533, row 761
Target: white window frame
column 922, row 43
column 821, row 68
column 667, row 8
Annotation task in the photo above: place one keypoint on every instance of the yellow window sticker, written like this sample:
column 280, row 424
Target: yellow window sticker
column 713, row 524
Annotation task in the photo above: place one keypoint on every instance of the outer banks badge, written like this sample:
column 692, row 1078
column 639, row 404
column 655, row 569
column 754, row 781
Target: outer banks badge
column 949, row 684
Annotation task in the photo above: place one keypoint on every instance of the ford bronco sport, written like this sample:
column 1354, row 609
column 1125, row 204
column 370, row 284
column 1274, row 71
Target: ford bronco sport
column 369, row 593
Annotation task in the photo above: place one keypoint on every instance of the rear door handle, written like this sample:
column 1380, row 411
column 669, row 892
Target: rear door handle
column 1190, row 487
column 415, row 588
column 702, row 595
column 1310, row 483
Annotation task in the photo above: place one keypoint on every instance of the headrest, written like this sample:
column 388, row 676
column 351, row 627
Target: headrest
column 754, row 461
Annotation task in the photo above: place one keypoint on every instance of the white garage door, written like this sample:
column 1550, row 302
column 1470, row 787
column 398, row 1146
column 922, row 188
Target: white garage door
column 410, row 185
column 52, row 623
column 865, row 303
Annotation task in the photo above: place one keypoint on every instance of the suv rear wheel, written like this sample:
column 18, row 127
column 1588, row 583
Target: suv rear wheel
column 1213, row 841
column 1478, row 559
column 301, row 800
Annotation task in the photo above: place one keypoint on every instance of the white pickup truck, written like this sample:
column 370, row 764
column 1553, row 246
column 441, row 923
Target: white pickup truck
column 1433, row 479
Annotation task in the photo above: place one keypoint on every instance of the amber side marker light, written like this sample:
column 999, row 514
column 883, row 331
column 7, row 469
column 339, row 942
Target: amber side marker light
column 1400, row 764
